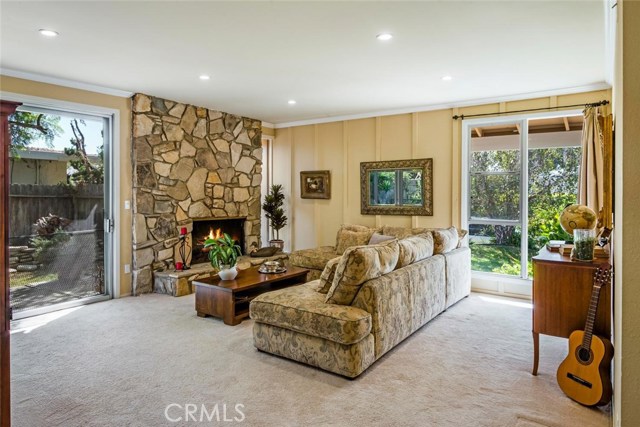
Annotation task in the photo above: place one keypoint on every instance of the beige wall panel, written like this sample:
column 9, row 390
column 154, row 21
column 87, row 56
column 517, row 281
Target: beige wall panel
column 361, row 139
column 329, row 156
column 45, row 90
column 579, row 98
column 434, row 140
column 268, row 131
column 282, row 167
column 395, row 220
column 395, row 137
column 395, row 144
column 479, row 109
column 303, row 140
column 528, row 103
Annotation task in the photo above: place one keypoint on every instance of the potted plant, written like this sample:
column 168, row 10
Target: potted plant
column 223, row 254
column 272, row 207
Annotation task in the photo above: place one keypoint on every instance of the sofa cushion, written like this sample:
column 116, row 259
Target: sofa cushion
column 312, row 258
column 445, row 239
column 302, row 309
column 414, row 248
column 402, row 232
column 328, row 274
column 355, row 228
column 349, row 238
column 359, row 264
column 458, row 274
column 377, row 238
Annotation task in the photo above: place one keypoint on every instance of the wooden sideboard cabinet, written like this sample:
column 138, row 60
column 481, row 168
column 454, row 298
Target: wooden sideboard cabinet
column 561, row 296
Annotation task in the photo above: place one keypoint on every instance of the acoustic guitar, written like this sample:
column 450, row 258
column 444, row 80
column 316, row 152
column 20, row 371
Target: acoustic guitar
column 584, row 375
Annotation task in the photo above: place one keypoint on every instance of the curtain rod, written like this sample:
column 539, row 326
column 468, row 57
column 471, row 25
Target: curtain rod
column 594, row 104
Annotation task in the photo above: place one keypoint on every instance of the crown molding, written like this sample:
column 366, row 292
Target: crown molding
column 66, row 83
column 448, row 105
column 268, row 125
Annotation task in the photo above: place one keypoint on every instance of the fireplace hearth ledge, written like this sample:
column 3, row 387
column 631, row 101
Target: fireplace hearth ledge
column 180, row 283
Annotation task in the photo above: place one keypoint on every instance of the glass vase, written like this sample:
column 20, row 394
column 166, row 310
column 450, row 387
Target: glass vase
column 584, row 242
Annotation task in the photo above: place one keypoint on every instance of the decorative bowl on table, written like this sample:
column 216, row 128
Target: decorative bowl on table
column 270, row 267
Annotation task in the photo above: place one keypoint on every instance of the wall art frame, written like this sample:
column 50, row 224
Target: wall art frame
column 315, row 184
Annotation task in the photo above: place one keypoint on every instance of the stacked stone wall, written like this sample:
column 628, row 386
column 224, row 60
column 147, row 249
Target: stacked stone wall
column 189, row 163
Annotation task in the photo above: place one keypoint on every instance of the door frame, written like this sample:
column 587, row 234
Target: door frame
column 7, row 108
column 113, row 156
column 267, row 179
column 494, row 282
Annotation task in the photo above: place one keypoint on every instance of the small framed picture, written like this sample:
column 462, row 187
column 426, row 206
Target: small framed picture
column 315, row 184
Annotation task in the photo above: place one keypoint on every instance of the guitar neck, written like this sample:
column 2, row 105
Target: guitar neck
column 601, row 277
column 591, row 317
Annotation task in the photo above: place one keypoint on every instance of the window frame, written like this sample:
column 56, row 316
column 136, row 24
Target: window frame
column 503, row 283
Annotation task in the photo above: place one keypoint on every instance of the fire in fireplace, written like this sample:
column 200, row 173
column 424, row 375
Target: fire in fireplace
column 211, row 228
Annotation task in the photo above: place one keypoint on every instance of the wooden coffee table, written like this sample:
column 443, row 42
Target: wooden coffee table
column 229, row 299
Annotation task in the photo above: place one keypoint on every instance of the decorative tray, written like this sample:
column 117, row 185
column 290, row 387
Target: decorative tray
column 279, row 270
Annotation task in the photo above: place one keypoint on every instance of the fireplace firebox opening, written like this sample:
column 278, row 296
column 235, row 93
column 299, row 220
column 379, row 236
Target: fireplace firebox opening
column 206, row 228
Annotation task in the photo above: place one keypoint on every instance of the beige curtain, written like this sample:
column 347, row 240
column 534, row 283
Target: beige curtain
column 591, row 167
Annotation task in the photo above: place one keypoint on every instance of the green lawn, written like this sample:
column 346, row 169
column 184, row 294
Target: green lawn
column 497, row 259
column 30, row 278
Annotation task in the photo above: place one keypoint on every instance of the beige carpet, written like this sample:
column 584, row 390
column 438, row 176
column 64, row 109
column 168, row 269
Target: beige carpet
column 122, row 362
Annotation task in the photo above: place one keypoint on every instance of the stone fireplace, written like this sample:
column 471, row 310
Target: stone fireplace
column 190, row 164
column 210, row 228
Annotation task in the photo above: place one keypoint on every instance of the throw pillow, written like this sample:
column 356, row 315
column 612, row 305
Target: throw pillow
column 414, row 248
column 402, row 232
column 328, row 274
column 358, row 265
column 348, row 238
column 352, row 227
column 377, row 238
column 461, row 236
column 445, row 240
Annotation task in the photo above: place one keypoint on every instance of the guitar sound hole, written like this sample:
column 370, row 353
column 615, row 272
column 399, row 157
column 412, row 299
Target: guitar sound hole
column 584, row 355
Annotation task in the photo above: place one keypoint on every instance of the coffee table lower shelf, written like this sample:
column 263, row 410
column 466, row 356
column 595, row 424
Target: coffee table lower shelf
column 230, row 299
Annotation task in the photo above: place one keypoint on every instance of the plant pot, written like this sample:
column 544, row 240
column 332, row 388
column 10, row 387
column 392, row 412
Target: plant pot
column 228, row 273
column 277, row 243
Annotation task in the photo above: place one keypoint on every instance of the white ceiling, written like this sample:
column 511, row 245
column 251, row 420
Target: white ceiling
column 322, row 54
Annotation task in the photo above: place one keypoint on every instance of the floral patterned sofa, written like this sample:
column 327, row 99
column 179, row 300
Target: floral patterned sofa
column 365, row 301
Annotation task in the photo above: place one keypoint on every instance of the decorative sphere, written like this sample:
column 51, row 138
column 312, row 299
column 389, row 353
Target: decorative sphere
column 577, row 217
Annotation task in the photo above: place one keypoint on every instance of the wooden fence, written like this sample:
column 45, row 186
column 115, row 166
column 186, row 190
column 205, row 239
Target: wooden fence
column 28, row 202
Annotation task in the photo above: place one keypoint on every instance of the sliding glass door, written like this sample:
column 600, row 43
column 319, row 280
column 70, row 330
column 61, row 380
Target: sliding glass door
column 495, row 205
column 60, row 210
column 518, row 174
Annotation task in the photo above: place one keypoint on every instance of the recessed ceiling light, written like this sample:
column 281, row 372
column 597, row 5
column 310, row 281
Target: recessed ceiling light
column 204, row 77
column 48, row 33
column 447, row 78
column 291, row 102
column 384, row 36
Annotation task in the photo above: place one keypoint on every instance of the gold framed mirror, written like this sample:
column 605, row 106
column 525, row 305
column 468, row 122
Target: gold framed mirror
column 397, row 187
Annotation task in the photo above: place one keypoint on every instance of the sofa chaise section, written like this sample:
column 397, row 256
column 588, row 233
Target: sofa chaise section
column 297, row 324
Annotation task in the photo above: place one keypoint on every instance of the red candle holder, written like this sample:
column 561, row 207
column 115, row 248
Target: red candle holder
column 183, row 231
column 179, row 266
